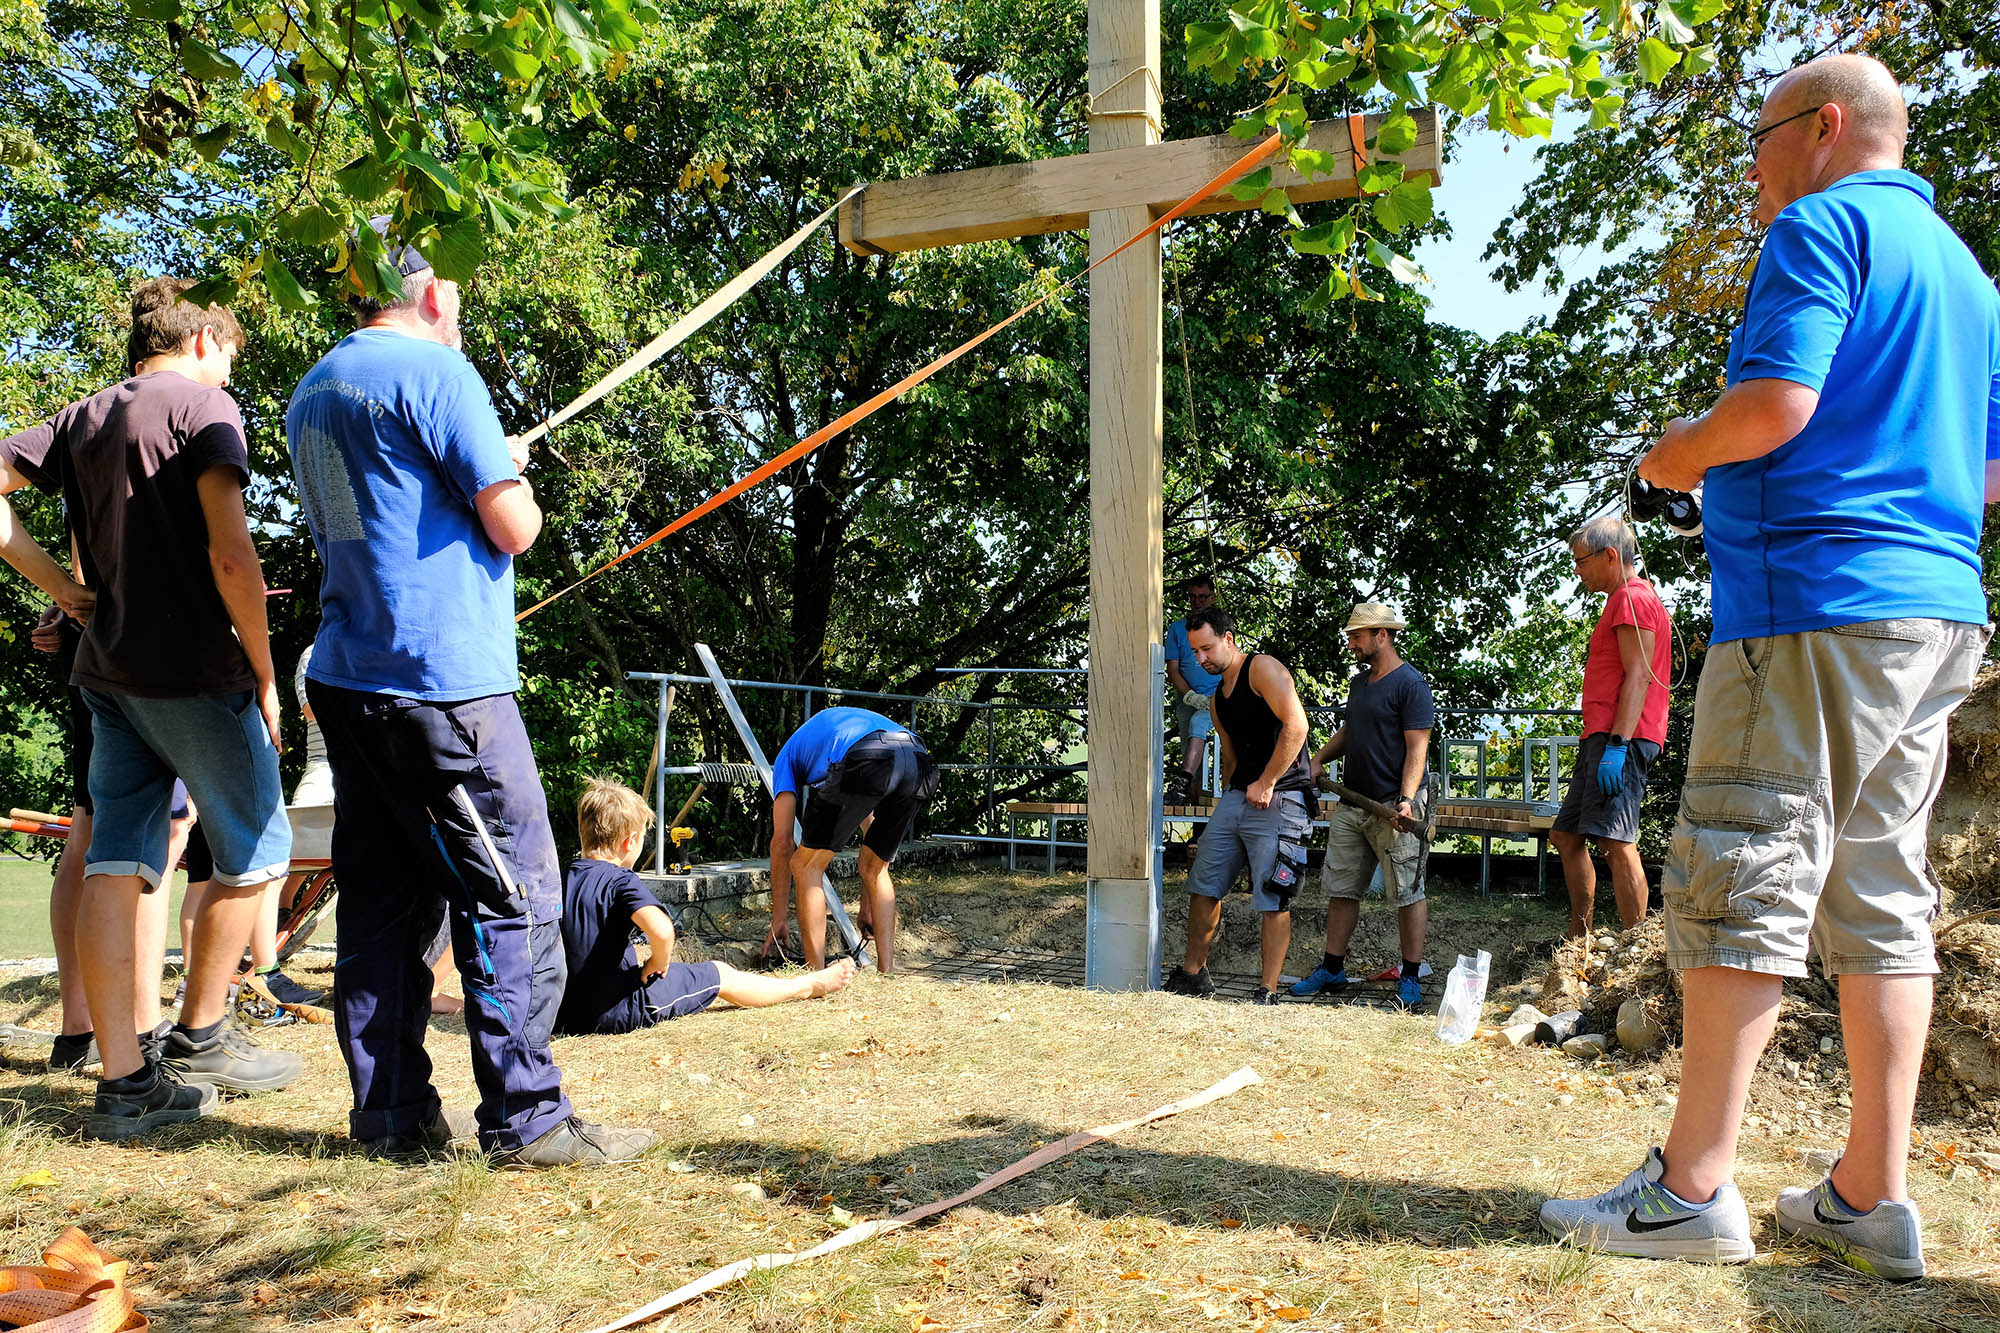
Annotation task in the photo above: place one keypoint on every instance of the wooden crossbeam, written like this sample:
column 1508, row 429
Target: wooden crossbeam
column 1059, row 193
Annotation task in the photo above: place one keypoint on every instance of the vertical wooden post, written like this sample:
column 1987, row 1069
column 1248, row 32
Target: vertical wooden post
column 1123, row 944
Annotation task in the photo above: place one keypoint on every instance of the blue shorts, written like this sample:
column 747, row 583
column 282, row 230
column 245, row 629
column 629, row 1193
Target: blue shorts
column 220, row 749
column 683, row 989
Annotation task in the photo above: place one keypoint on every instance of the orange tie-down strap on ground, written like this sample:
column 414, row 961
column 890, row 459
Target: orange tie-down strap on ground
column 861, row 1231
column 77, row 1288
column 1232, row 173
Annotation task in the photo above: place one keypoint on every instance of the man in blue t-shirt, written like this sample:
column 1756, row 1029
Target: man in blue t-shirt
column 854, row 765
column 417, row 506
column 1193, row 692
column 1847, row 467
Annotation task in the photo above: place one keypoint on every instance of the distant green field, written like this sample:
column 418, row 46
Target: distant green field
column 24, row 909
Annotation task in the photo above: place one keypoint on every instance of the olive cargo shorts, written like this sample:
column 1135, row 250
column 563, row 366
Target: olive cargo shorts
column 1815, row 761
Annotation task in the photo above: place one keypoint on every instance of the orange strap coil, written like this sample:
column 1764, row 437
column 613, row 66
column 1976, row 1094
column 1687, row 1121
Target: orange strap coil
column 77, row 1288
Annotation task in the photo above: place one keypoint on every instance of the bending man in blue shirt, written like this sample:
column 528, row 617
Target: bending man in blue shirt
column 853, row 764
column 1847, row 467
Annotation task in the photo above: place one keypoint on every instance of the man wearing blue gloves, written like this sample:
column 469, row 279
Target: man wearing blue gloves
column 1625, row 680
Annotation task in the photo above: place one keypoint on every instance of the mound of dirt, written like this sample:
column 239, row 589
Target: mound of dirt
column 1961, row 1082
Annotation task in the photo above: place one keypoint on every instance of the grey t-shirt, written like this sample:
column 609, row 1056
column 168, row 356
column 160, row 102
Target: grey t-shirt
column 125, row 461
column 1378, row 713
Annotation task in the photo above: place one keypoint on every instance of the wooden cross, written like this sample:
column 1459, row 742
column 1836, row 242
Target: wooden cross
column 1128, row 178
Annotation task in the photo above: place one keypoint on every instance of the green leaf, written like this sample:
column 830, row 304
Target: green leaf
column 1277, row 203
column 205, row 64
column 1263, row 43
column 1398, row 134
column 1251, row 188
column 1673, row 27
column 1312, row 164
column 1325, row 238
column 157, row 10
column 212, row 291
column 210, row 142
column 457, row 251
column 1700, row 60
column 583, row 102
column 1333, row 289
column 285, row 288
column 439, row 174
column 1378, row 177
column 312, row 225
column 1604, row 112
column 278, row 133
column 364, row 178
column 1408, row 205
column 1656, row 58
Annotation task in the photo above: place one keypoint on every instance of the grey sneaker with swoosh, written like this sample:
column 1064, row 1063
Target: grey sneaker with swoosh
column 1887, row 1240
column 1638, row 1217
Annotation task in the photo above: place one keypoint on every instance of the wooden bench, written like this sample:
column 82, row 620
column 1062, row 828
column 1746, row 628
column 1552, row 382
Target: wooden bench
column 1484, row 819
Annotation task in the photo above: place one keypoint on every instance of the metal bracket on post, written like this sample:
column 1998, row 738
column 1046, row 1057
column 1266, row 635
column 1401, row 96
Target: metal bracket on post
column 848, row 934
column 1122, row 932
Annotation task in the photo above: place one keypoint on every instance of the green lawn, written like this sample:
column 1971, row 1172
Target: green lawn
column 24, row 909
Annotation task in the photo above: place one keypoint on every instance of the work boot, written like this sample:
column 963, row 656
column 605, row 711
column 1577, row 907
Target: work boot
column 153, row 1044
column 576, row 1142
column 228, row 1060
column 1887, row 1240
column 1180, row 789
column 449, row 1129
column 1642, row 1218
column 1180, row 981
column 1264, row 995
column 72, row 1054
column 144, row 1101
column 1409, row 992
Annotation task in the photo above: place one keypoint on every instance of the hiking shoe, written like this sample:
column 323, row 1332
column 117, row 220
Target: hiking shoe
column 1180, row 789
column 1320, row 980
column 1409, row 992
column 1640, row 1218
column 1264, row 995
column 286, row 991
column 575, row 1142
column 73, row 1054
column 139, row 1103
column 229, row 1060
column 1180, row 981
column 1886, row 1241
column 153, row 1045
column 450, row 1128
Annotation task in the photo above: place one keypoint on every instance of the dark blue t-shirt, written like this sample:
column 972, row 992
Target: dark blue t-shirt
column 819, row 745
column 1873, row 511
column 392, row 438
column 599, row 899
column 1378, row 713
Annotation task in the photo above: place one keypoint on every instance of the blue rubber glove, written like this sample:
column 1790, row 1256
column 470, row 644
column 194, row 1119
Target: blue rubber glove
column 1611, row 770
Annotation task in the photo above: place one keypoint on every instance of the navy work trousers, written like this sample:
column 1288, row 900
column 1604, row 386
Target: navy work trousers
column 409, row 777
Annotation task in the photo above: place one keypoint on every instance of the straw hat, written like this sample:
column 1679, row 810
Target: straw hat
column 1375, row 615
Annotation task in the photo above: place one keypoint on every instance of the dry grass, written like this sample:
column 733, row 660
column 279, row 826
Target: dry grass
column 1376, row 1180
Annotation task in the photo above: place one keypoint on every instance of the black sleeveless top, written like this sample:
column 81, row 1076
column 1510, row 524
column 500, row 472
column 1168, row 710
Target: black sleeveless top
column 1253, row 733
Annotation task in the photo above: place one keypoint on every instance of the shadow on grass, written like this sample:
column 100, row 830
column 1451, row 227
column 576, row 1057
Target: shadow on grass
column 1116, row 1180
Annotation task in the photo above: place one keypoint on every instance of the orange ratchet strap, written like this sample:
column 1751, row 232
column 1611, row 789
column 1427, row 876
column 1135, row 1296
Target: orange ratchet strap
column 1237, row 169
column 77, row 1288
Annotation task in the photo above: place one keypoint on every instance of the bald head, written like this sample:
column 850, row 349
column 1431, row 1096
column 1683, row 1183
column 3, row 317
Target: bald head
column 1859, row 85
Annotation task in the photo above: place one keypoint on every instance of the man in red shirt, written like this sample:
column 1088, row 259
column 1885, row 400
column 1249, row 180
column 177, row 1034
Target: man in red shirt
column 1625, row 680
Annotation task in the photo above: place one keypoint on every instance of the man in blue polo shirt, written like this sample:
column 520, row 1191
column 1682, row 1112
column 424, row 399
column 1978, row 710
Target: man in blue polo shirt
column 852, row 764
column 1847, row 469
column 417, row 506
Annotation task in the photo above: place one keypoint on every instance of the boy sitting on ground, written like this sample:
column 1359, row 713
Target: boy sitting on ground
column 603, row 901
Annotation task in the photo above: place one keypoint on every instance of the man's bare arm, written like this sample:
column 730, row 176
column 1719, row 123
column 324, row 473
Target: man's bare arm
column 20, row 550
column 232, row 558
column 1273, row 685
column 1752, row 419
column 1416, row 755
column 1993, row 481
column 509, row 514
column 1635, row 654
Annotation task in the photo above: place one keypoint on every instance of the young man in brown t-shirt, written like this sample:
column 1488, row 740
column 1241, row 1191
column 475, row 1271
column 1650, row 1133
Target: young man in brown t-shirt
column 175, row 663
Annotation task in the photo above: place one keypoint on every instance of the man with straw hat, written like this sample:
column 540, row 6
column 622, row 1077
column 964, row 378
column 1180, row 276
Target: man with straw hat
column 1382, row 744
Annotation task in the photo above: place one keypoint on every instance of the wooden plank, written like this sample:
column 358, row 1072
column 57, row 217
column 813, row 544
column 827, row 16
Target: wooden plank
column 1060, row 193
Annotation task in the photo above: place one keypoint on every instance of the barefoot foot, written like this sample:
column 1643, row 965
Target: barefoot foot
column 830, row 979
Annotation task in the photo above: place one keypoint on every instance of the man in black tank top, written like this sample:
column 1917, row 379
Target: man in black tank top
column 1383, row 743
column 1262, row 821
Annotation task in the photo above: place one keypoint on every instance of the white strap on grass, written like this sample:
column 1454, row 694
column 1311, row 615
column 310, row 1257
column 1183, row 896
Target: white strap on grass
column 686, row 326
column 862, row 1231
